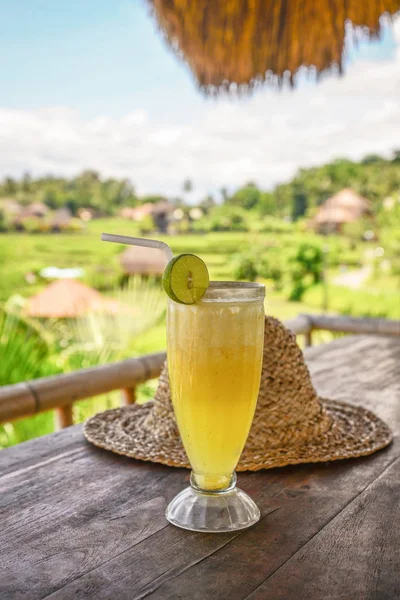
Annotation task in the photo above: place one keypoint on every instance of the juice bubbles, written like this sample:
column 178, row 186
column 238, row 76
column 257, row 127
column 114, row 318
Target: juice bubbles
column 214, row 362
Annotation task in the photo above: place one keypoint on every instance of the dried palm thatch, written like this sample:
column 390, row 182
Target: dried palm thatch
column 248, row 41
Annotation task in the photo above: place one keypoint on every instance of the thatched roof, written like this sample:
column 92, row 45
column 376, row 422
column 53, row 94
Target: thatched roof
column 245, row 41
column 138, row 213
column 68, row 298
column 33, row 210
column 143, row 261
column 344, row 207
column 61, row 217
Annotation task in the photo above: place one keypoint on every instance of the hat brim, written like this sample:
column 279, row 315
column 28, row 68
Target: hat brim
column 354, row 431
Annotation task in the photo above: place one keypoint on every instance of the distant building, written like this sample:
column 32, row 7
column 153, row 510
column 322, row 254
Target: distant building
column 142, row 261
column 61, row 219
column 344, row 207
column 160, row 212
column 35, row 210
column 137, row 213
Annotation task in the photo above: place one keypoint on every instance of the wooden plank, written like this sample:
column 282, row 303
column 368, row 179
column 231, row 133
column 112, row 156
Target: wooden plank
column 357, row 555
column 295, row 502
column 364, row 326
column 363, row 370
column 91, row 524
column 300, row 324
column 30, row 455
column 182, row 566
column 68, row 515
column 18, row 400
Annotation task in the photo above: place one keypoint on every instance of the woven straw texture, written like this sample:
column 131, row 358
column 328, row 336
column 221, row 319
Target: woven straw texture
column 248, row 41
column 291, row 424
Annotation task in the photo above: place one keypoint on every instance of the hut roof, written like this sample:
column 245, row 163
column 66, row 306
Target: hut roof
column 348, row 198
column 244, row 41
column 67, row 298
column 61, row 217
column 144, row 261
column 147, row 209
column 162, row 207
column 344, row 207
column 137, row 213
column 35, row 209
column 334, row 215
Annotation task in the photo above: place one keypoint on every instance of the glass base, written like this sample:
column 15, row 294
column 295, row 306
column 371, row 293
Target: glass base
column 212, row 512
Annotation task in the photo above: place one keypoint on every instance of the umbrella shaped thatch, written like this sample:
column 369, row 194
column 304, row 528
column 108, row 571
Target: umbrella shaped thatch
column 344, row 207
column 67, row 298
column 245, row 41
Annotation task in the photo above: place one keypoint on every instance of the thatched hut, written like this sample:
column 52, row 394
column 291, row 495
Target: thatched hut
column 142, row 261
column 35, row 209
column 61, row 219
column 137, row 213
column 248, row 41
column 160, row 212
column 67, row 298
column 344, row 207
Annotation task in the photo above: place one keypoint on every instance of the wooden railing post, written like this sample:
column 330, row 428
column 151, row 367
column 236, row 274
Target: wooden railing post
column 128, row 396
column 63, row 416
column 308, row 338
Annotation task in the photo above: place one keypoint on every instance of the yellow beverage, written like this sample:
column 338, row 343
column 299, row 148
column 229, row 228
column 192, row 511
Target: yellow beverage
column 214, row 361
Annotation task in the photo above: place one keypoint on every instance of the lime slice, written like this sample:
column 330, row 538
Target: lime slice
column 185, row 278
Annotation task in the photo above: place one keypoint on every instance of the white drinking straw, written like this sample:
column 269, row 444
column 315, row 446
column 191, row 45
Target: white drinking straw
column 135, row 241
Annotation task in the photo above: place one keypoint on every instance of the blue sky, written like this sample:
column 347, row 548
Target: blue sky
column 91, row 84
column 95, row 56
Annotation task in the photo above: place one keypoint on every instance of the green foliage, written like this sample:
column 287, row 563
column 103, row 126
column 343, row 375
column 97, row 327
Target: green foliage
column 25, row 353
column 153, row 199
column 3, row 221
column 29, row 350
column 306, row 270
column 296, row 269
column 224, row 218
column 246, row 266
column 248, row 197
column 374, row 177
column 146, row 225
column 207, row 204
column 374, row 302
column 25, row 349
column 269, row 224
column 88, row 190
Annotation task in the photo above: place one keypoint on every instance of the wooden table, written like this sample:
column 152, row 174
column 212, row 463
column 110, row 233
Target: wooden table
column 79, row 522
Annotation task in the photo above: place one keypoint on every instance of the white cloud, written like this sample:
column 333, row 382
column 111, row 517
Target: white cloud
column 265, row 138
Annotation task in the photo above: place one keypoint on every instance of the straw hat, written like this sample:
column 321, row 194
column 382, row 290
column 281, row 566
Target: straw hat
column 291, row 424
column 248, row 41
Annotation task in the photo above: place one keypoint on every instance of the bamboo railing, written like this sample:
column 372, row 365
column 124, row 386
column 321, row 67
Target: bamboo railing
column 60, row 392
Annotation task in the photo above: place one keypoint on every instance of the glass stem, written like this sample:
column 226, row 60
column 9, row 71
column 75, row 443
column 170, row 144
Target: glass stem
column 213, row 484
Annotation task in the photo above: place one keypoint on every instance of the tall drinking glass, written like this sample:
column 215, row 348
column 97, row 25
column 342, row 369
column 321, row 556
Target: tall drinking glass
column 214, row 350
